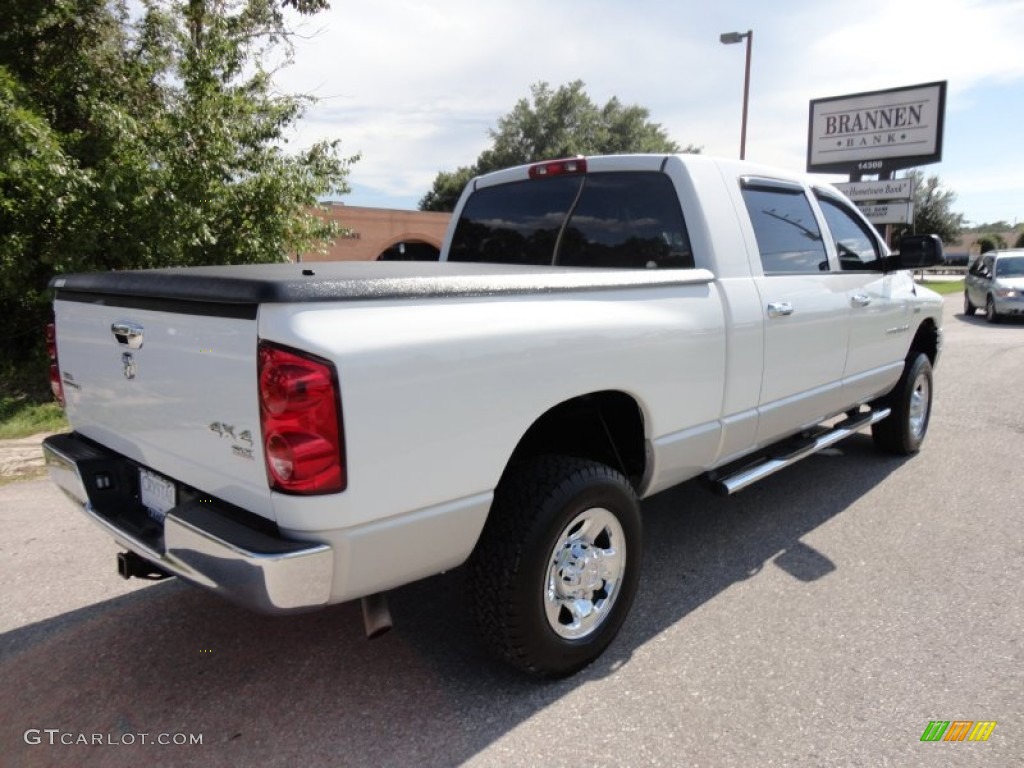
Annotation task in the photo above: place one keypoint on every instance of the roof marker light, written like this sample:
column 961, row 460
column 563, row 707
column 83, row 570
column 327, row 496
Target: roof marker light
column 558, row 168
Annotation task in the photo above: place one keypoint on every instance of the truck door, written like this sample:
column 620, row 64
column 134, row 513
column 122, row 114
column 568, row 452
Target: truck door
column 879, row 310
column 805, row 310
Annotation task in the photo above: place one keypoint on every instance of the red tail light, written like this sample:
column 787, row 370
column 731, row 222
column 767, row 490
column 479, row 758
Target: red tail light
column 56, row 386
column 558, row 168
column 300, row 415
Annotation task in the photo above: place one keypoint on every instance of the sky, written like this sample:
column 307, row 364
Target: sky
column 414, row 85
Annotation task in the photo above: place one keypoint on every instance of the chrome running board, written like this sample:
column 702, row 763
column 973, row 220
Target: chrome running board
column 733, row 481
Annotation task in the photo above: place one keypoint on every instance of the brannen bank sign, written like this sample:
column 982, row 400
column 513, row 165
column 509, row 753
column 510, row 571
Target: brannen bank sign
column 878, row 131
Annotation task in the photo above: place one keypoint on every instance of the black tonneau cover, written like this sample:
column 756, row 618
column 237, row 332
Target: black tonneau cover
column 253, row 284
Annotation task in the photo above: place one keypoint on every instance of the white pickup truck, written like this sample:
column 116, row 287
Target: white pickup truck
column 599, row 329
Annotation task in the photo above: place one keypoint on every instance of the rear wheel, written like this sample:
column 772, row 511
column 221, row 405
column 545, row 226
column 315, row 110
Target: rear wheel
column 969, row 308
column 557, row 565
column 903, row 431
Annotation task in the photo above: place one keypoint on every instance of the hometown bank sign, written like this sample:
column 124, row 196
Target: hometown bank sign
column 877, row 132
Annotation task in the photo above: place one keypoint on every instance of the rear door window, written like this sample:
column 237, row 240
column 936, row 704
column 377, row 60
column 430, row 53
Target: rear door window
column 787, row 233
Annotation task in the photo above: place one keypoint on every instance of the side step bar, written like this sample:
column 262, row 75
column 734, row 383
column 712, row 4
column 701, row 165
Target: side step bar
column 731, row 482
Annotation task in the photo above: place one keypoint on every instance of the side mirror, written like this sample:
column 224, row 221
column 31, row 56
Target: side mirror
column 918, row 252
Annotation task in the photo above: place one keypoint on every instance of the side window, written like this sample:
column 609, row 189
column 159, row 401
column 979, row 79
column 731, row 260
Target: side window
column 787, row 233
column 626, row 219
column 857, row 249
column 982, row 266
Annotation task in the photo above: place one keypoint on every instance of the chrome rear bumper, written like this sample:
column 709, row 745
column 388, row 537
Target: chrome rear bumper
column 199, row 542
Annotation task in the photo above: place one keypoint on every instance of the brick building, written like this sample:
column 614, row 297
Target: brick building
column 384, row 234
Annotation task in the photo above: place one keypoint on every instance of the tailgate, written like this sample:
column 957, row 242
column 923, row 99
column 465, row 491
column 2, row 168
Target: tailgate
column 171, row 387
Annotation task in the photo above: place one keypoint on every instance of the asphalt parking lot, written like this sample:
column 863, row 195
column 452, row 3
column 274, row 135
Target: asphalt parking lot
column 822, row 617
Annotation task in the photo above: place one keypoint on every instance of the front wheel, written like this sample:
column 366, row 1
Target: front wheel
column 903, row 430
column 557, row 565
column 990, row 310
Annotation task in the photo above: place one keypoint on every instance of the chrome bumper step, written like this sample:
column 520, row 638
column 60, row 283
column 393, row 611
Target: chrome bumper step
column 198, row 542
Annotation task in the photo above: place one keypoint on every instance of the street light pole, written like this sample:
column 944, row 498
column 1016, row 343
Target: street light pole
column 728, row 38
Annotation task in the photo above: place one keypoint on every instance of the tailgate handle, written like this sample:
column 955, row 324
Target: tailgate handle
column 128, row 333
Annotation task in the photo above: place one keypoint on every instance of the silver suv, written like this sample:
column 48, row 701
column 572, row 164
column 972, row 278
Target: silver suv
column 996, row 282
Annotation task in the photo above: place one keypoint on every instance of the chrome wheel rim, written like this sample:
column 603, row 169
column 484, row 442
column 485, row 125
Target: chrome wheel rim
column 919, row 399
column 584, row 574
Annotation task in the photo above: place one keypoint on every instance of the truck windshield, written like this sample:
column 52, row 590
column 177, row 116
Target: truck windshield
column 620, row 219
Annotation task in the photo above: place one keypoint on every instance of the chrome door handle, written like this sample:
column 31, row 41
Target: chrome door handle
column 860, row 299
column 780, row 309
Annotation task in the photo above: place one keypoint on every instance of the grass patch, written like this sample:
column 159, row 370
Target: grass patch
column 20, row 417
column 945, row 287
column 26, row 402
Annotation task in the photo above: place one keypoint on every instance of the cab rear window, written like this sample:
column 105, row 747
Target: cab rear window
column 619, row 220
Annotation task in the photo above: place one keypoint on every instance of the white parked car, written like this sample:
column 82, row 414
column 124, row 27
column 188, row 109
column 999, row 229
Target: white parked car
column 995, row 282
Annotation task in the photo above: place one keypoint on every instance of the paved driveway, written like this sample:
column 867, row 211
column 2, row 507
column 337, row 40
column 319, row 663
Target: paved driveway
column 823, row 617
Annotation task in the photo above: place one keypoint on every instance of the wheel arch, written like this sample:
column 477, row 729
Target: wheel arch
column 606, row 426
column 926, row 340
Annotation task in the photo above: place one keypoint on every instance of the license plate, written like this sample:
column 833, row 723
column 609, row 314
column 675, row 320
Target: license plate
column 157, row 494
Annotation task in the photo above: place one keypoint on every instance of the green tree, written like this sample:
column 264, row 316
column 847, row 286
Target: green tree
column 990, row 242
column 1019, row 242
column 553, row 124
column 992, row 226
column 149, row 142
column 933, row 208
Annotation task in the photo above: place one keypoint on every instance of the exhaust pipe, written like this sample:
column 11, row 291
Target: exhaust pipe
column 376, row 615
column 129, row 564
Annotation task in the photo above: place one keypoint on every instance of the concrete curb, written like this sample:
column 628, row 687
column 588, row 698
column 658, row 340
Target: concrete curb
column 22, row 456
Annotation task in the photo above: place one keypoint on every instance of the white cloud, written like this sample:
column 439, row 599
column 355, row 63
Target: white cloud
column 414, row 86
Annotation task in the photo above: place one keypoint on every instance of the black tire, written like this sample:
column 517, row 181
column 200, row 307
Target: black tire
column 990, row 310
column 903, row 431
column 969, row 309
column 523, row 570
